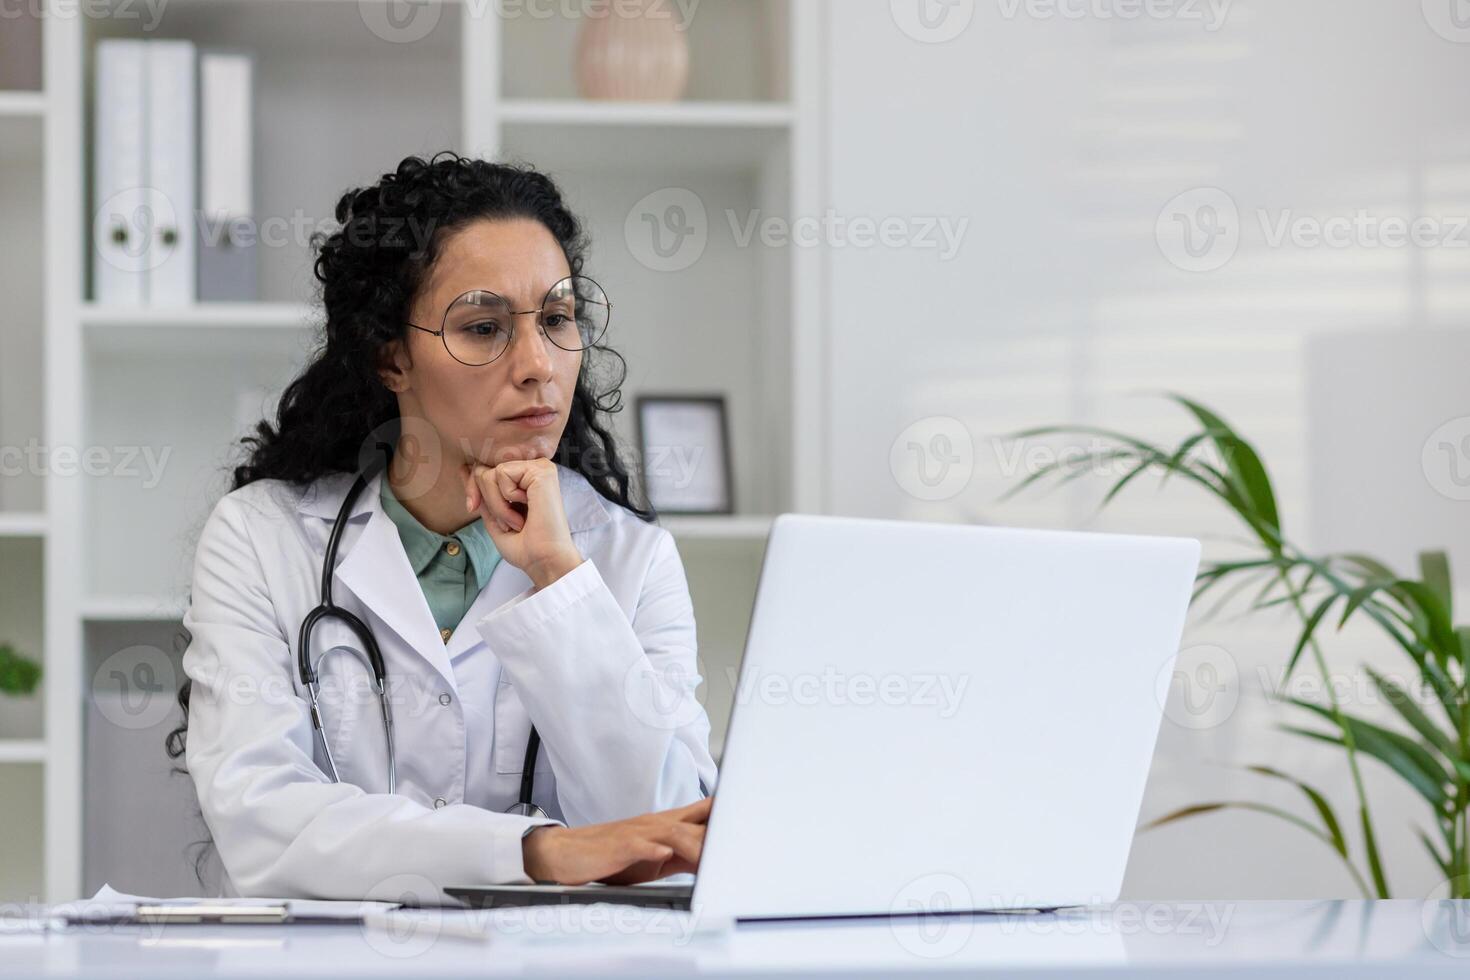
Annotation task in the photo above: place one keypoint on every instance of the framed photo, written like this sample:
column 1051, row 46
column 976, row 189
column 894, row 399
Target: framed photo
column 685, row 445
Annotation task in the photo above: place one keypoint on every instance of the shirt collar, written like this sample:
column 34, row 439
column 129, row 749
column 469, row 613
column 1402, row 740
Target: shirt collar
column 422, row 544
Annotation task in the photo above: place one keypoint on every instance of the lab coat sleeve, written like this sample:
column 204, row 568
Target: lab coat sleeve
column 282, row 828
column 613, row 698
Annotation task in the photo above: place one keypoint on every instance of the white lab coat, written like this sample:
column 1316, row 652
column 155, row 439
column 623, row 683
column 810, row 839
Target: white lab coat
column 603, row 660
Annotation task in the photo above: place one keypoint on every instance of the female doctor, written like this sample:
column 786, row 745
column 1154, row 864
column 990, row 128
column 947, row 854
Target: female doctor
column 498, row 563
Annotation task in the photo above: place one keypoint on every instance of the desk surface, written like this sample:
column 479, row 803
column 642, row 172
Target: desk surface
column 1262, row 939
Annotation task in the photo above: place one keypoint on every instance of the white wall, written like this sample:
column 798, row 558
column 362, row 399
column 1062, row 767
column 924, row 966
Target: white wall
column 1062, row 141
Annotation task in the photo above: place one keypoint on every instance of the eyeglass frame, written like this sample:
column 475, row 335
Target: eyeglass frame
column 443, row 328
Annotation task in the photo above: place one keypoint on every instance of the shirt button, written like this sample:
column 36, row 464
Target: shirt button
column 444, row 699
column 445, row 634
column 452, row 547
column 440, row 803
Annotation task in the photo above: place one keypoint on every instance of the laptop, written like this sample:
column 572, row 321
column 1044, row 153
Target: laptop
column 932, row 717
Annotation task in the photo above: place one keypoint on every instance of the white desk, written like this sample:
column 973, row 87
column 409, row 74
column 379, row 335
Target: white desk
column 1256, row 939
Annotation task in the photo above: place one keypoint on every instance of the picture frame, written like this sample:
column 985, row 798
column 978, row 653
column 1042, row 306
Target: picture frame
column 684, row 453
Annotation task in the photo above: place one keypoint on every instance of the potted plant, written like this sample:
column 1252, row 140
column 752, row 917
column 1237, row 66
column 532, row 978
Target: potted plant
column 1429, row 747
column 18, row 675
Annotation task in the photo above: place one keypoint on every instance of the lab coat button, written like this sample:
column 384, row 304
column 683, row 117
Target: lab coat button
column 452, row 547
column 445, row 634
column 444, row 699
column 440, row 802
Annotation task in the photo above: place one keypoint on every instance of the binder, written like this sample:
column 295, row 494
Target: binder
column 143, row 228
column 226, row 233
column 119, row 235
column 171, row 172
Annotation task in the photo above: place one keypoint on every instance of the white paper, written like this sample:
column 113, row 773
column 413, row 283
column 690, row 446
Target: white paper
column 108, row 900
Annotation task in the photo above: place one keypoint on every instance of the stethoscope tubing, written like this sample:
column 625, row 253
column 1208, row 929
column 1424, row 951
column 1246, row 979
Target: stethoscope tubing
column 326, row 610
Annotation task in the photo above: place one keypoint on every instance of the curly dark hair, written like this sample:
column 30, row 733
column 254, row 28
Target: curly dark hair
column 369, row 271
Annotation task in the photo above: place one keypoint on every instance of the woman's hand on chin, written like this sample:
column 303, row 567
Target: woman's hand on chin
column 520, row 502
column 623, row 852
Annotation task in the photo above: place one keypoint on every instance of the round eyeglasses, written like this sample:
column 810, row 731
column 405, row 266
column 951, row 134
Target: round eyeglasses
column 479, row 325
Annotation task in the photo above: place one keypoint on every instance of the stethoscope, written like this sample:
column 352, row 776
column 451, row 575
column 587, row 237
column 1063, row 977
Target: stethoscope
column 329, row 610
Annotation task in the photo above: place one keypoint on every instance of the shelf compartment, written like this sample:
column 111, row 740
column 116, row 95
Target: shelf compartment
column 22, row 339
column 336, row 105
column 738, row 51
column 178, row 410
column 129, row 781
column 22, row 626
column 22, row 816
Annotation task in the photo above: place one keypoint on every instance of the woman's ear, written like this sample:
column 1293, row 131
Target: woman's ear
column 393, row 365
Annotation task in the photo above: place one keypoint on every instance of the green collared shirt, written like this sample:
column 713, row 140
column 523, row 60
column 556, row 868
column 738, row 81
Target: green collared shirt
column 451, row 569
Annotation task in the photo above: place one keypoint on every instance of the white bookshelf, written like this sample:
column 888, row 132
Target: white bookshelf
column 23, row 507
column 337, row 106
